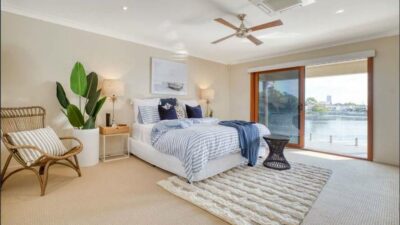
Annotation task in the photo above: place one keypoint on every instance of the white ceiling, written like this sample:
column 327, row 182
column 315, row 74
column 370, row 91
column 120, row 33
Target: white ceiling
column 187, row 26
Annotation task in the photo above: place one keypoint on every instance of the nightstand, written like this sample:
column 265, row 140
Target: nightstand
column 118, row 136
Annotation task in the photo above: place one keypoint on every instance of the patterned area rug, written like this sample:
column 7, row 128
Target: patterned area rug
column 255, row 195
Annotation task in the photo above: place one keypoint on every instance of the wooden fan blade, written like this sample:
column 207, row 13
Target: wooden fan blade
column 226, row 23
column 254, row 40
column 224, row 38
column 267, row 25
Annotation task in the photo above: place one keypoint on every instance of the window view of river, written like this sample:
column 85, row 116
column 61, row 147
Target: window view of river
column 335, row 110
column 342, row 129
column 336, row 114
column 345, row 134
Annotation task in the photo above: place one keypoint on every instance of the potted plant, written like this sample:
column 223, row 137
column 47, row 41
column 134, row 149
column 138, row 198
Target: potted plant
column 83, row 116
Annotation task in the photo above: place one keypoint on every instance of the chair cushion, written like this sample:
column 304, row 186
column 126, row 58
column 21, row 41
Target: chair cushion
column 44, row 138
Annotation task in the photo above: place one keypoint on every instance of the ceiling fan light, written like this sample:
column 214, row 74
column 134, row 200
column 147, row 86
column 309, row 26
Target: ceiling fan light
column 339, row 11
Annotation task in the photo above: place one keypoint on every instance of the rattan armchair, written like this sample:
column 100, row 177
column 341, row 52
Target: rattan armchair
column 30, row 118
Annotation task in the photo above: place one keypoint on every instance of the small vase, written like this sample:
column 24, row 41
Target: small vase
column 90, row 152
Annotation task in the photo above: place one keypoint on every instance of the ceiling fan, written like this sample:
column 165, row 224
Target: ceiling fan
column 243, row 32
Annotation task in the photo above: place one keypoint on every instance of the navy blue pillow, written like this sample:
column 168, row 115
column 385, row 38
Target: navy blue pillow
column 167, row 114
column 194, row 112
column 171, row 101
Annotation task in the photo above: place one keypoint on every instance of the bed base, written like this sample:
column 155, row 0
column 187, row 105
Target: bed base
column 171, row 164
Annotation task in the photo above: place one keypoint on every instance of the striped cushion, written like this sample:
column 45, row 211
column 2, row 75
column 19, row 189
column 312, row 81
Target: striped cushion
column 44, row 138
column 148, row 114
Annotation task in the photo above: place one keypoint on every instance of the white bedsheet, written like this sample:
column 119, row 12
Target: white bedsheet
column 142, row 132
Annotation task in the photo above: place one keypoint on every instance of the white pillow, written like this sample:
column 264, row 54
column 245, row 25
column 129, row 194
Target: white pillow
column 148, row 114
column 143, row 102
column 44, row 138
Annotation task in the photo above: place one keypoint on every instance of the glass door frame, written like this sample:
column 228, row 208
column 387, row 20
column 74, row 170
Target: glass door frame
column 254, row 79
column 254, row 99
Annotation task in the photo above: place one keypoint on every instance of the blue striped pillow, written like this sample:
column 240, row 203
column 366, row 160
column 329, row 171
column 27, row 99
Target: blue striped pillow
column 148, row 114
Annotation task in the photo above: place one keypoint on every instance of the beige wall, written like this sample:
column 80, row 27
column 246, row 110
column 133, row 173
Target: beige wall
column 386, row 90
column 36, row 54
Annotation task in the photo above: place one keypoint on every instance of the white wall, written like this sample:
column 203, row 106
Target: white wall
column 386, row 90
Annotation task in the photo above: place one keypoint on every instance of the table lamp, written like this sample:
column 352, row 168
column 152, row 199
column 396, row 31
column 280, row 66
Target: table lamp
column 208, row 95
column 113, row 88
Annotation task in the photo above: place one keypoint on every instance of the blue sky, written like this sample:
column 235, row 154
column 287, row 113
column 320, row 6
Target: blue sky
column 342, row 88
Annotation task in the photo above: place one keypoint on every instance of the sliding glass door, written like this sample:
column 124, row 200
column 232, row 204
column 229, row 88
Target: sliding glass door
column 279, row 102
column 337, row 116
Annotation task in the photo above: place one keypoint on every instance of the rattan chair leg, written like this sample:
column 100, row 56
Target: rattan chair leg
column 41, row 170
column 9, row 175
column 45, row 176
column 21, row 169
column 74, row 166
column 38, row 176
column 78, row 169
column 3, row 172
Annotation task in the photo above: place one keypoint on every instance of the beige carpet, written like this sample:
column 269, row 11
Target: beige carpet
column 255, row 195
column 126, row 192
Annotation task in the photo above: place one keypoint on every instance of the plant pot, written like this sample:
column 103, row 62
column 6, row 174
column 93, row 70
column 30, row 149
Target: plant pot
column 90, row 152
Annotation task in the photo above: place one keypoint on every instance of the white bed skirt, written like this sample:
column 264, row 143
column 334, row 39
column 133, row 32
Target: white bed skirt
column 174, row 165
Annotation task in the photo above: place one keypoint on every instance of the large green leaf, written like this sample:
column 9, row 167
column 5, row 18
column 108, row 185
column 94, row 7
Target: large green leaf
column 78, row 80
column 98, row 106
column 75, row 116
column 92, row 82
column 89, row 124
column 61, row 96
column 91, row 104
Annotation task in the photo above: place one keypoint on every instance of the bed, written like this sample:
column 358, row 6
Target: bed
column 141, row 145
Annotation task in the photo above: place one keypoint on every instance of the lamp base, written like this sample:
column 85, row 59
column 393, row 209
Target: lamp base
column 209, row 111
column 113, row 123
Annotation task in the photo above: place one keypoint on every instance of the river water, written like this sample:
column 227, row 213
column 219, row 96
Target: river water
column 343, row 130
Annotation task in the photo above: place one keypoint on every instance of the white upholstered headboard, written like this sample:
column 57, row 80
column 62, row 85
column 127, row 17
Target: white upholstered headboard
column 154, row 102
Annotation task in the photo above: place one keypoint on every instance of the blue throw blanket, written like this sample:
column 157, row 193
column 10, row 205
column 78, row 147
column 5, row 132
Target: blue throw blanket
column 249, row 139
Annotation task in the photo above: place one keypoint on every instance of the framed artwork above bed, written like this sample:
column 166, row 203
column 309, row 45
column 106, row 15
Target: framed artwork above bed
column 168, row 77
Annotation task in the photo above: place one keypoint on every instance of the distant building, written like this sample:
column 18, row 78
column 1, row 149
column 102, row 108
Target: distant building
column 329, row 100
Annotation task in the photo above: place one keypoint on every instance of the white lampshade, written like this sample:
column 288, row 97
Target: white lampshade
column 112, row 87
column 207, row 94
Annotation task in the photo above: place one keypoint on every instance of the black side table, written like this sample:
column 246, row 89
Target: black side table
column 276, row 159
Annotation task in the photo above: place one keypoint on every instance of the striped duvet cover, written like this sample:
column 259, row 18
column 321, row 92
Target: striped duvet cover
column 198, row 143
